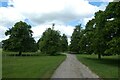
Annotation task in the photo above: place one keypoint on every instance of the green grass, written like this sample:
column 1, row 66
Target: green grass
column 8, row 53
column 30, row 66
column 0, row 63
column 107, row 67
column 0, row 50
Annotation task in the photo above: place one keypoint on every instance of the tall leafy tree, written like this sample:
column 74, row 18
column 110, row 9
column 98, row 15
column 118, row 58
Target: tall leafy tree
column 75, row 38
column 87, row 35
column 83, row 42
column 112, row 27
column 99, row 40
column 20, row 38
column 64, row 43
column 49, row 43
column 102, row 34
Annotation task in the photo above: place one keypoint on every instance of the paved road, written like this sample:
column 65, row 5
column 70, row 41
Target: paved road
column 72, row 68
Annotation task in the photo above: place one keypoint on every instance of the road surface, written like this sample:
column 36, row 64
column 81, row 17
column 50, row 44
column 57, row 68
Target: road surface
column 72, row 68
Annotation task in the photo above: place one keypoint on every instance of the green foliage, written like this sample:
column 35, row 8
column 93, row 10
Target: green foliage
column 75, row 38
column 113, row 28
column 64, row 43
column 20, row 38
column 114, row 46
column 100, row 42
column 113, row 10
column 49, row 43
column 101, row 34
column 86, row 41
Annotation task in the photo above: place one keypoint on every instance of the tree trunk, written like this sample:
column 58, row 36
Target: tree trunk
column 20, row 53
column 99, row 56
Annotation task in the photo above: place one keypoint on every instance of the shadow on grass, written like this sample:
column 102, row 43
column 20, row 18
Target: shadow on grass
column 30, row 54
column 107, row 61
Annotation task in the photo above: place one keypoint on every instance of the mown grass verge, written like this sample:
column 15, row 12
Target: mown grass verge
column 107, row 67
column 0, row 63
column 30, row 66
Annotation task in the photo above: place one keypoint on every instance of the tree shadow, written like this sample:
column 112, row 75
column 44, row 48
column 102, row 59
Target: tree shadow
column 107, row 61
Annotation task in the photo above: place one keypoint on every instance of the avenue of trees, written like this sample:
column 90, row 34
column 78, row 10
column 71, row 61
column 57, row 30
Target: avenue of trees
column 21, row 40
column 101, row 34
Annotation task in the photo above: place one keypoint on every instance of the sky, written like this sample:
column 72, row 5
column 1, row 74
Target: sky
column 41, row 14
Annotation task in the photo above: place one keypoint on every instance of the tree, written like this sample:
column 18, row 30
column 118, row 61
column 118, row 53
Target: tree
column 86, row 41
column 49, row 43
column 64, row 43
column 99, row 41
column 112, row 28
column 20, row 38
column 75, row 38
column 83, row 42
column 102, row 34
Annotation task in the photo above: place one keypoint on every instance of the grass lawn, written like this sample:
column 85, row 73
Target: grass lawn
column 0, row 63
column 107, row 67
column 30, row 66
column 0, row 49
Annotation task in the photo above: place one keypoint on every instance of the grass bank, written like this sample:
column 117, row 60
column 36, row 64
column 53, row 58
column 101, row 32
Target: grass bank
column 107, row 67
column 0, row 63
column 30, row 66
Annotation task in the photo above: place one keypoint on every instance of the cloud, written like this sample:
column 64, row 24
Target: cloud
column 86, row 19
column 9, row 16
column 64, row 29
column 2, row 33
column 42, row 13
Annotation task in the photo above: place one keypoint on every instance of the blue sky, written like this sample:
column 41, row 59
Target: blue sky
column 6, row 3
column 97, row 3
column 3, row 4
column 75, row 22
column 64, row 13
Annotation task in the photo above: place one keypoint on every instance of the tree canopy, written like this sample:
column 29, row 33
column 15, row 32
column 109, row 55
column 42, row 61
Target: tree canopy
column 49, row 43
column 64, row 43
column 101, row 34
column 20, row 38
column 75, row 38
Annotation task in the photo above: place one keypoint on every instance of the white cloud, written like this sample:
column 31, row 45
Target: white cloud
column 64, row 29
column 2, row 33
column 103, row 6
column 86, row 19
column 8, row 16
column 42, row 13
